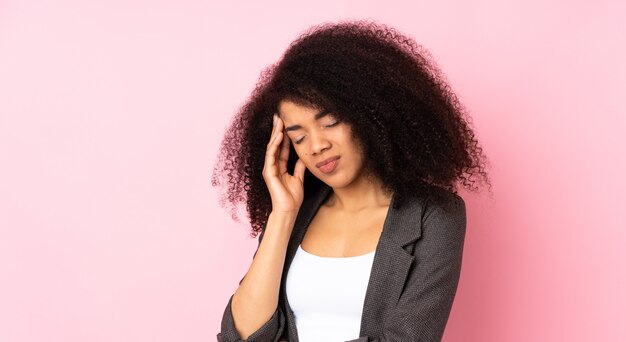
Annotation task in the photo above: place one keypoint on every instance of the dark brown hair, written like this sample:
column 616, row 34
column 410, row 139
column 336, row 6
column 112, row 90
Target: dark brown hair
column 415, row 134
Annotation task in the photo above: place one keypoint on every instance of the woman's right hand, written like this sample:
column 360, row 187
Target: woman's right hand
column 287, row 191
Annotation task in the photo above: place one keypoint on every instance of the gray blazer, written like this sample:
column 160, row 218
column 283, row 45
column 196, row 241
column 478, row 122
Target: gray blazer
column 413, row 280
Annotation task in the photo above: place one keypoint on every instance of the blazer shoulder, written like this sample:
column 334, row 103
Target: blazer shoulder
column 447, row 204
column 444, row 199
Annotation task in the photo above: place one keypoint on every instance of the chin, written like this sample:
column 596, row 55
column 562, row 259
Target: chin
column 335, row 181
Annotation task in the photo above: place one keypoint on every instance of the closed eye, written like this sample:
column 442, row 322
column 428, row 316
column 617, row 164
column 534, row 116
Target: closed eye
column 327, row 126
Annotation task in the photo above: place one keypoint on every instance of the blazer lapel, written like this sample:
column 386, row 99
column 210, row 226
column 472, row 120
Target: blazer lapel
column 307, row 211
column 392, row 260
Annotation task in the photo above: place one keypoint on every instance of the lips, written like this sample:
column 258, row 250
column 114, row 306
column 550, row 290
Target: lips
column 326, row 161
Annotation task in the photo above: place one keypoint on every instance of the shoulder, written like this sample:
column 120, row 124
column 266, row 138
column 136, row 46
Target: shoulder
column 444, row 214
column 442, row 201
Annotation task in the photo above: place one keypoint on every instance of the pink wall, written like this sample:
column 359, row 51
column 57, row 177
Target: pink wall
column 111, row 114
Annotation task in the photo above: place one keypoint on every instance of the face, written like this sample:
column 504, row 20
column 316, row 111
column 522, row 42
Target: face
column 318, row 136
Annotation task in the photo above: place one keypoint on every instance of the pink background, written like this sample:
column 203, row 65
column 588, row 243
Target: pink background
column 110, row 117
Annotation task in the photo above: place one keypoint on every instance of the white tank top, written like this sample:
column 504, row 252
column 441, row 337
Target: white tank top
column 327, row 294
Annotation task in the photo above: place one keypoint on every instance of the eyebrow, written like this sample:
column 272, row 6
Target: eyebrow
column 318, row 116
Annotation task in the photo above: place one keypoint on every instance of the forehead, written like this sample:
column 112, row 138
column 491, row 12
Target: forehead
column 288, row 110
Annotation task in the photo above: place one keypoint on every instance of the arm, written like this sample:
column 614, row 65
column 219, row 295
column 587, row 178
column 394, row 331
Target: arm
column 424, row 305
column 252, row 313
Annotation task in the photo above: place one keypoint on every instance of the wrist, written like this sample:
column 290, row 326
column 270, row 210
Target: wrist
column 283, row 219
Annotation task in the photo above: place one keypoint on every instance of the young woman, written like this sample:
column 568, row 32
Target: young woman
column 347, row 155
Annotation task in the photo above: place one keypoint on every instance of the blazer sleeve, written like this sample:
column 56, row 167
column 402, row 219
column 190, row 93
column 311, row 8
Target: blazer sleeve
column 269, row 332
column 426, row 301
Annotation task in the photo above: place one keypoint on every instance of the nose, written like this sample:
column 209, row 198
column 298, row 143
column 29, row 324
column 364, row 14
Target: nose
column 319, row 143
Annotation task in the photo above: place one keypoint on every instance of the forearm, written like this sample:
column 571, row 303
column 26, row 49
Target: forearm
column 256, row 299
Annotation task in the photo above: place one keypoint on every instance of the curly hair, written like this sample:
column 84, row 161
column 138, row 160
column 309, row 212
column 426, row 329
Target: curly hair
column 414, row 132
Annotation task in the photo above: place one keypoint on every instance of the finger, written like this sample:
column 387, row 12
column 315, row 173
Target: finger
column 283, row 156
column 272, row 135
column 273, row 126
column 299, row 169
column 272, row 150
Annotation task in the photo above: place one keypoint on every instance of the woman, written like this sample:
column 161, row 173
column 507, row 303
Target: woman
column 348, row 154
